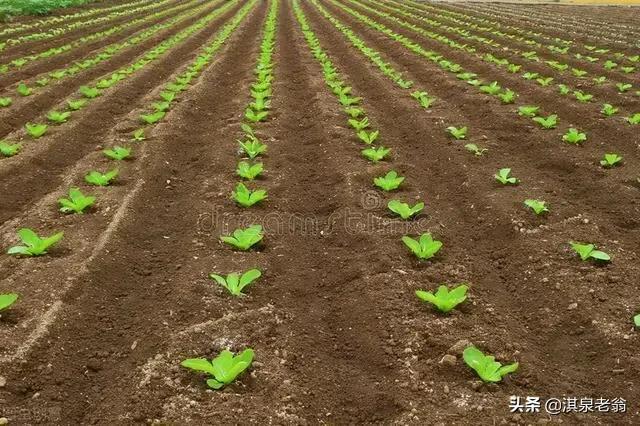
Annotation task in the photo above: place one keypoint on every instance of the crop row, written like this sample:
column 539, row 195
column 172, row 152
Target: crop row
column 78, row 202
column 55, row 51
column 25, row 88
column 530, row 55
column 56, row 32
column 224, row 368
column 88, row 93
column 53, row 20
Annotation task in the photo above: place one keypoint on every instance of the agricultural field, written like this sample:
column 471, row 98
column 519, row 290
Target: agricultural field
column 320, row 212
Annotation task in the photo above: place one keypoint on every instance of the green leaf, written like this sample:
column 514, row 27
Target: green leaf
column 444, row 299
column 224, row 368
column 403, row 209
column 99, row 179
column 244, row 239
column 117, row 153
column 249, row 171
column 503, row 177
column 247, row 198
column 424, row 248
column 9, row 150
column 458, row 133
column 485, row 366
column 587, row 251
column 6, row 300
column 36, row 130
column 388, row 182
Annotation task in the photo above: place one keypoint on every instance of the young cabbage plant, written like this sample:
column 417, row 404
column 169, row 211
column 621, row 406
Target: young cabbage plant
column 636, row 321
column 582, row 97
column 359, row 125
column 244, row 239
column 255, row 116
column 503, row 176
column 161, row 106
column 588, row 251
column 423, row 248
column 36, row 130
column 77, row 104
column 99, row 179
column 347, row 101
column 530, row 75
column 152, row 118
column 444, row 300
column 223, row 369
column 475, row 149
column 376, row 154
column 623, row 87
column 600, row 80
column 610, row 160
column 33, row 244
column 634, row 119
column 9, row 150
column 389, row 182
column 89, row 92
column 507, row 97
column 6, row 300
column 5, row 102
column 528, row 111
column 58, row 117
column 544, row 81
column 549, row 122
column 235, row 282
column 247, row 198
column 538, row 206
column 458, row 133
column 608, row 110
column 487, row 368
column 24, row 90
column 404, row 210
column 76, row 203
column 491, row 89
column 138, row 135
column 252, row 147
column 167, row 96
column 249, row 171
column 354, row 112
column 368, row 137
column 574, row 137
column 564, row 89
column 117, row 153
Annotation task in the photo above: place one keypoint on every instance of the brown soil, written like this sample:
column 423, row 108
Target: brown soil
column 338, row 333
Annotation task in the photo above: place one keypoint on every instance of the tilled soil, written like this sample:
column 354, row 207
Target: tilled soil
column 340, row 338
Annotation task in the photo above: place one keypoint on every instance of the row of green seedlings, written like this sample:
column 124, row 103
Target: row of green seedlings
column 556, row 46
column 392, row 180
column 24, row 89
column 425, row 246
column 60, row 50
column 78, row 203
column 56, row 32
column 530, row 37
column 54, row 20
column 38, row 130
column 531, row 55
column 506, row 96
column 223, row 369
column 580, row 95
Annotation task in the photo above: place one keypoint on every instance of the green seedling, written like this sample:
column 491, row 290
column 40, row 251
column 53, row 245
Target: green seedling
column 376, row 154
column 9, row 150
column 544, row 81
column 77, row 104
column 538, row 206
column 252, row 147
column 244, row 239
column 530, row 75
column 58, row 117
column 475, row 149
column 404, row 210
column 117, row 153
column 76, row 203
column 89, row 92
column 368, row 137
column 623, row 87
column 347, row 101
column 249, row 171
column 507, row 97
column 634, row 119
column 359, row 125
column 161, row 106
column 582, row 97
column 608, row 110
column 513, row 68
column 528, row 111
column 223, row 369
column 247, row 198
column 5, row 102
column 152, row 118
column 636, row 321
column 549, row 122
column 24, row 90
column 235, row 282
column 33, row 244
column 588, row 251
column 487, row 368
column 99, row 179
column 254, row 116
column 503, row 177
column 600, row 80
column 610, row 160
column 138, row 135
column 6, row 300
column 36, row 130
column 609, row 65
column 458, row 133
column 444, row 300
column 575, row 137
column 491, row 89
column 423, row 248
column 389, row 182
column 42, row 82
column 354, row 112
column 563, row 89
column 578, row 73
column 168, row 96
